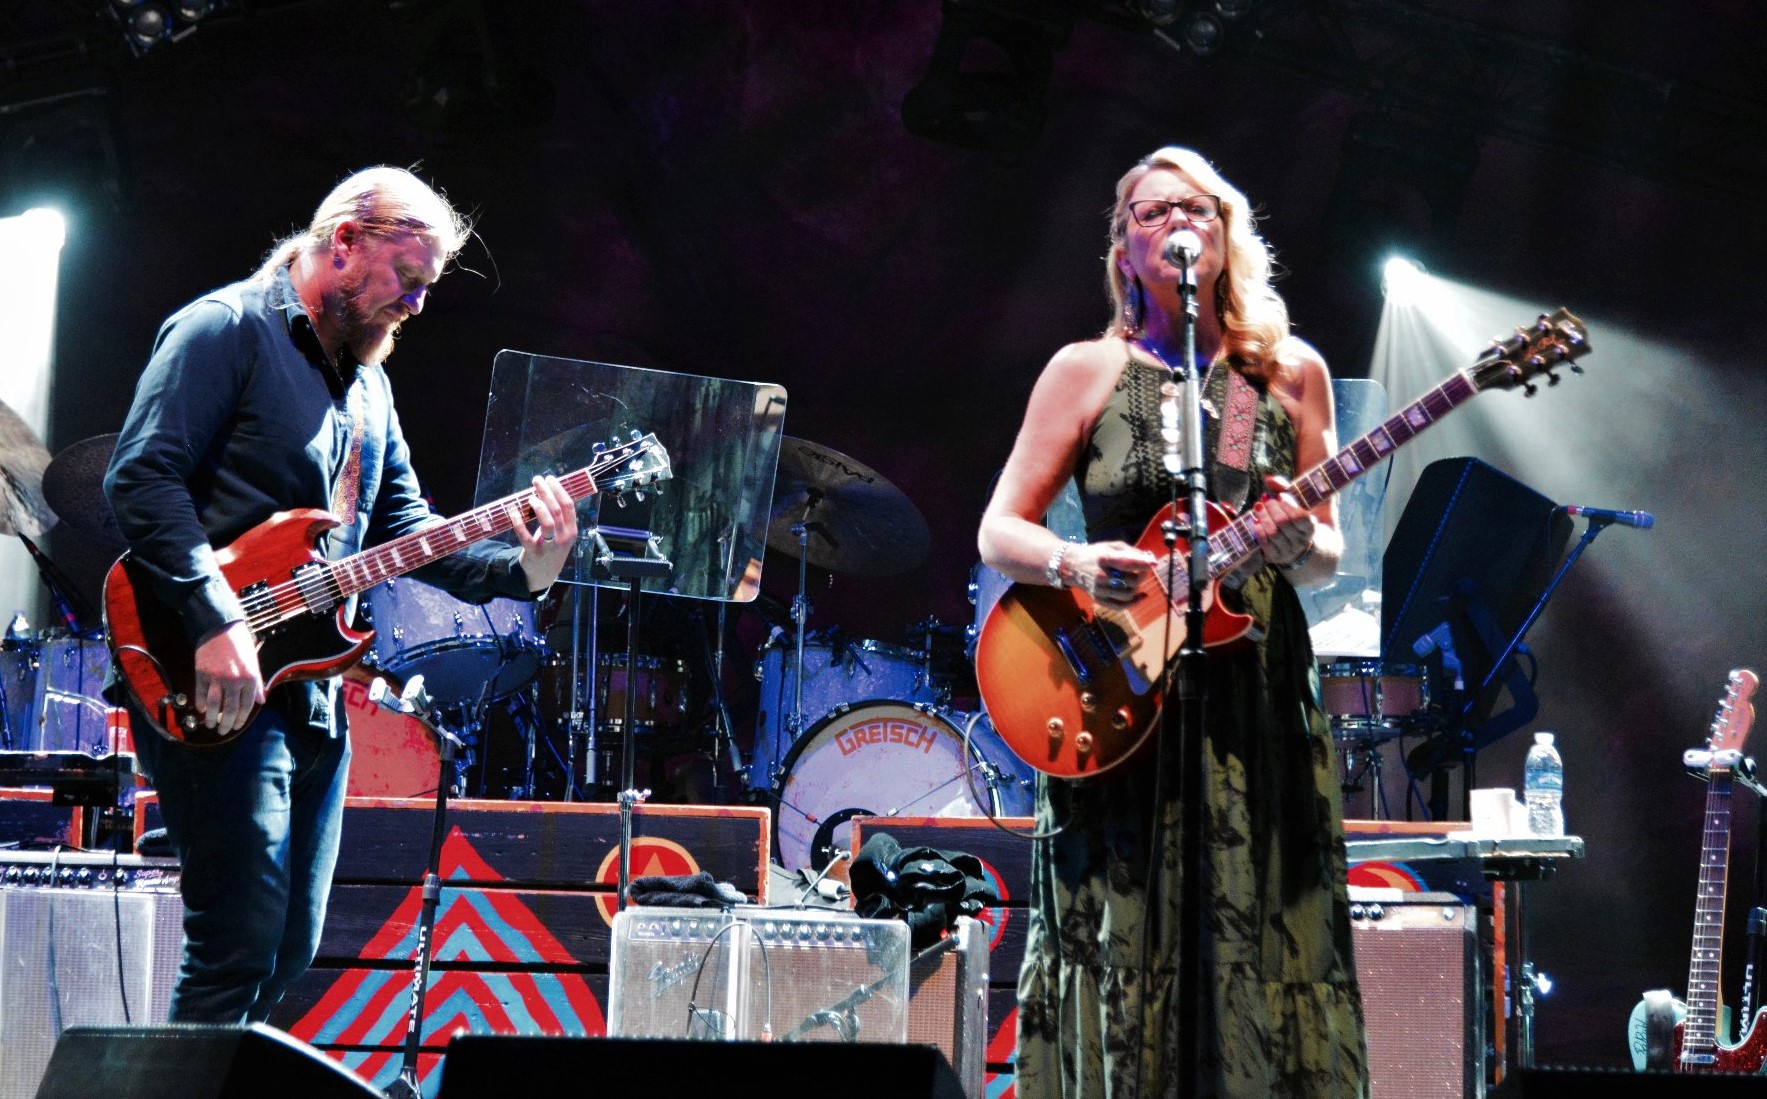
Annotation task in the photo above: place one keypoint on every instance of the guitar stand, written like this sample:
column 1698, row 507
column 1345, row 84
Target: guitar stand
column 415, row 701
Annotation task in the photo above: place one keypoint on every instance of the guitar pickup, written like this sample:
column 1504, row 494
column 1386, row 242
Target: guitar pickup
column 1075, row 664
column 318, row 592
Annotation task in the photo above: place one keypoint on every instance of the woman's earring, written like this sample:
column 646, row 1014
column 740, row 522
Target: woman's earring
column 1132, row 307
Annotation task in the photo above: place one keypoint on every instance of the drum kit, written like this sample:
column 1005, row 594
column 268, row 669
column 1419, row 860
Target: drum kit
column 51, row 680
column 1369, row 703
column 841, row 726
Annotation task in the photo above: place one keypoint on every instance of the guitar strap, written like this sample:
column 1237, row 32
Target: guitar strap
column 347, row 489
column 1233, row 447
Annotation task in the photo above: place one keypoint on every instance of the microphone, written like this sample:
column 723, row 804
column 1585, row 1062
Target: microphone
column 1183, row 249
column 1643, row 520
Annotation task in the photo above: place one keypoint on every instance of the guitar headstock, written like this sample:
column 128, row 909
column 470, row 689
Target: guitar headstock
column 1517, row 360
column 639, row 462
column 1735, row 714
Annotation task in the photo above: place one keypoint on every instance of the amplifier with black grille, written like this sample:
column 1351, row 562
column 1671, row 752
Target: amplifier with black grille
column 1417, row 962
column 779, row 974
column 64, row 918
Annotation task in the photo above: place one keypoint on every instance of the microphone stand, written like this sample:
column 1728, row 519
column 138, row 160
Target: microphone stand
column 1468, row 781
column 415, row 701
column 1185, row 388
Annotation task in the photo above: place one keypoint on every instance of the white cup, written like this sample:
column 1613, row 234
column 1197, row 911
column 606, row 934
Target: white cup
column 1494, row 811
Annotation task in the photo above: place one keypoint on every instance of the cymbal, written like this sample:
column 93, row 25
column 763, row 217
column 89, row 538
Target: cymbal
column 23, row 458
column 74, row 486
column 857, row 521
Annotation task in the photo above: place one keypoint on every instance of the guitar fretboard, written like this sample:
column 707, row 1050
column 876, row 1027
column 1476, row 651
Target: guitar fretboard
column 1707, row 964
column 359, row 572
column 1237, row 540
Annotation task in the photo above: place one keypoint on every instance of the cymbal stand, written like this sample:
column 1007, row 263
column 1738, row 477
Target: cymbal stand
column 800, row 609
column 634, row 568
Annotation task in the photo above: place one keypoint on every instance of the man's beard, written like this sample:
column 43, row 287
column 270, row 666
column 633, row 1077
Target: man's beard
column 369, row 336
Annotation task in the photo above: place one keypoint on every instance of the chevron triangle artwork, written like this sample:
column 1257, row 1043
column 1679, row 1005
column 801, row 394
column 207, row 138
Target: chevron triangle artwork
column 369, row 1007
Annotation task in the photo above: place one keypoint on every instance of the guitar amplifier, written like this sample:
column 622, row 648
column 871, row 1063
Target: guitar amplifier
column 63, row 919
column 1417, row 962
column 779, row 974
column 948, row 1001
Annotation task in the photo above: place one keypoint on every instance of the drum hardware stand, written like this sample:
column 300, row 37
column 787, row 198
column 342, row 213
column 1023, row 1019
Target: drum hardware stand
column 415, row 701
column 800, row 609
column 642, row 561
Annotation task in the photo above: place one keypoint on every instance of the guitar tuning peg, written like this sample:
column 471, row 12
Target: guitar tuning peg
column 598, row 448
column 620, row 500
column 638, row 495
column 634, row 435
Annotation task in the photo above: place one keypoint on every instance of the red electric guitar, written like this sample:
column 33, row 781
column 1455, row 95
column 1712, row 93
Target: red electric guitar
column 1697, row 1044
column 295, row 599
column 1073, row 687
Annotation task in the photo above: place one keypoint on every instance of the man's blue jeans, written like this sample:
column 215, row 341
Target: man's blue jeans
column 255, row 827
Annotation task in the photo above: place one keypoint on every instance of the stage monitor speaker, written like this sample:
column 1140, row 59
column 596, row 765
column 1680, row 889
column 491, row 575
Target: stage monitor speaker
column 1417, row 962
column 792, row 975
column 495, row 1067
column 59, row 963
column 195, row 1061
column 948, row 1001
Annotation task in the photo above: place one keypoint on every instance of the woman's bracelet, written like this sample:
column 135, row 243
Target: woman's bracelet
column 1305, row 556
column 1052, row 571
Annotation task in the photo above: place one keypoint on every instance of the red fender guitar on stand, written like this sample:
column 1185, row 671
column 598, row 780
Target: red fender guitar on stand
column 1690, row 1037
column 295, row 600
column 1073, row 687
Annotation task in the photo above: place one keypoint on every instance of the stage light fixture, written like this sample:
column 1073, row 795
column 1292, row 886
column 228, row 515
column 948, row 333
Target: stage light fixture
column 148, row 23
column 986, row 85
column 1203, row 34
column 192, row 11
column 1161, row 13
column 1231, row 10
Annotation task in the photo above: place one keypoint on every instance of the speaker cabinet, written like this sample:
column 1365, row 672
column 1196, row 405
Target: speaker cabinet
column 60, row 965
column 192, row 1061
column 1417, row 962
column 948, row 1001
column 789, row 975
column 495, row 1067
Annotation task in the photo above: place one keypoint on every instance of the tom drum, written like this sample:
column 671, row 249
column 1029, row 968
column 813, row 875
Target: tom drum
column 466, row 652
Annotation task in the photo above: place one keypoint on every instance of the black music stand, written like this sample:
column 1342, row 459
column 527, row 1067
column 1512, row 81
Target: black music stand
column 1467, row 567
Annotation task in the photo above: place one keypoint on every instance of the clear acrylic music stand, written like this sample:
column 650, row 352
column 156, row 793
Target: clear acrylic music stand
column 703, row 536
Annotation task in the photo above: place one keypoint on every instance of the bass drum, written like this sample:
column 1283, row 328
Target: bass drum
column 392, row 755
column 835, row 674
column 884, row 758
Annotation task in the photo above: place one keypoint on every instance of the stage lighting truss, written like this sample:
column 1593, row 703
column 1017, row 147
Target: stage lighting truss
column 147, row 24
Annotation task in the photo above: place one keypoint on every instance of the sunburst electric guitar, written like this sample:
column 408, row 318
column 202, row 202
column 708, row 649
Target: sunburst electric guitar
column 1073, row 687
column 1689, row 1037
column 295, row 600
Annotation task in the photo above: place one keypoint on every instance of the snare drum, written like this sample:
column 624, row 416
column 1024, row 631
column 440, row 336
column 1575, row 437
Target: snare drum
column 881, row 758
column 466, row 652
column 1362, row 695
column 833, row 674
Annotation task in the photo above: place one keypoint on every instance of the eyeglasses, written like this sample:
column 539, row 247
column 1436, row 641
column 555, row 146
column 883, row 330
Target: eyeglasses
column 1151, row 213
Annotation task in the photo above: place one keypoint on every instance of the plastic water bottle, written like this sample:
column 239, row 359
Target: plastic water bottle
column 1543, row 788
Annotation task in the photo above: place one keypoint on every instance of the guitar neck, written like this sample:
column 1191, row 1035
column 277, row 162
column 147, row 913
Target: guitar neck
column 1238, row 540
column 1706, row 968
column 360, row 571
